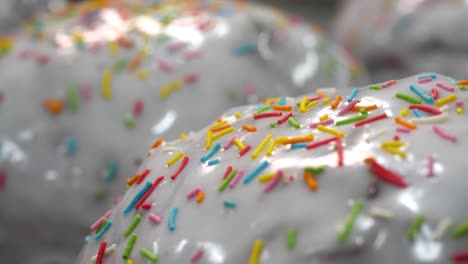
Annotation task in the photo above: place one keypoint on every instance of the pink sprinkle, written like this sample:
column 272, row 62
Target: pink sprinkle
column 25, row 54
column 85, row 91
column 460, row 103
column 155, row 218
column 42, row 59
column 95, row 48
column 117, row 200
column 425, row 80
column 249, row 90
column 138, row 107
column 204, row 25
column 403, row 130
column 388, row 83
column 443, row 134
column 194, row 54
column 3, row 175
column 229, row 143
column 340, row 152
column 195, row 257
column 430, row 165
column 273, row 182
column 294, row 20
column 445, row 87
column 177, row 46
column 191, row 78
column 347, row 108
column 236, row 179
column 192, row 194
column 100, row 220
column 165, row 66
column 323, row 123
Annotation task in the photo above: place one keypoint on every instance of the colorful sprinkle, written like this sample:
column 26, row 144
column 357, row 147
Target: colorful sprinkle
column 354, row 92
column 173, row 216
column 444, row 134
column 291, row 238
column 137, row 197
column 261, row 146
column 103, row 230
column 349, row 223
column 155, row 218
column 445, row 100
column 253, row 174
column 100, row 255
column 106, row 85
column 461, row 230
column 256, row 252
column 133, row 225
column 408, row 98
column 415, row 227
column 129, row 246
column 230, row 204
column 212, row 152
column 149, row 192
column 197, row 255
column 148, row 255
column 175, row 158
column 417, row 90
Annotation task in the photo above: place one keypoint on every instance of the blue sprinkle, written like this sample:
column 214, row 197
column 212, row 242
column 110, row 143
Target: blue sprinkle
column 282, row 101
column 245, row 49
column 210, row 153
column 421, row 94
column 230, row 203
column 417, row 113
column 432, row 75
column 452, row 79
column 103, row 230
column 172, row 218
column 112, row 170
column 137, row 198
column 86, row 239
column 214, row 162
column 299, row 146
column 256, row 172
column 353, row 94
column 71, row 146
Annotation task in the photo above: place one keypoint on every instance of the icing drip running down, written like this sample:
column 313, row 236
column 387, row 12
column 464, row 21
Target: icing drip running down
column 85, row 90
column 376, row 184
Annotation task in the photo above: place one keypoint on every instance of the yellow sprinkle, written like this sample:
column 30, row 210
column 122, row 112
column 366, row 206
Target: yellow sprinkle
column 312, row 104
column 404, row 112
column 256, row 252
column 445, row 100
column 224, row 132
column 142, row 74
column 113, row 48
column 302, row 106
column 393, row 144
column 165, row 91
column 176, row 85
column 209, row 140
column 326, row 100
column 394, row 151
column 261, row 146
column 281, row 139
column 332, row 131
column 145, row 51
column 106, row 87
column 238, row 115
column 183, row 136
column 266, row 177
column 238, row 143
column 129, row 261
column 270, row 148
column 222, row 123
column 273, row 100
column 174, row 159
column 459, row 111
column 324, row 117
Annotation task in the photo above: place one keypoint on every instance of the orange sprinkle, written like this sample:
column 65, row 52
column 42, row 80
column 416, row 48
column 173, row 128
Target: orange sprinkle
column 310, row 181
column 132, row 180
column 369, row 160
column 462, row 82
column 219, row 120
column 321, row 93
column 157, row 143
column 405, row 123
column 336, row 102
column 299, row 139
column 54, row 106
column 249, row 128
column 135, row 63
column 357, row 108
column 219, row 128
column 282, row 107
column 125, row 43
column 200, row 197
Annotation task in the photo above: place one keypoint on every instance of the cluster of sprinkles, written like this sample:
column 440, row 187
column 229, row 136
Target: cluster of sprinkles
column 325, row 137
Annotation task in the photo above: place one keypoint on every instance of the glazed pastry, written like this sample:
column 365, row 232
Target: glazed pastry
column 368, row 175
column 84, row 92
column 407, row 35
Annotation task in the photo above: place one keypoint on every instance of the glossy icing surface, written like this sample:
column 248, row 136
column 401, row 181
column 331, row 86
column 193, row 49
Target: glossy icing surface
column 185, row 61
column 416, row 172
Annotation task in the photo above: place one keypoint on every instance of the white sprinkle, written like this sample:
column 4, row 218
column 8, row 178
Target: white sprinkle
column 171, row 149
column 155, row 248
column 441, row 229
column 381, row 213
column 444, row 108
column 376, row 135
column 431, row 120
column 108, row 250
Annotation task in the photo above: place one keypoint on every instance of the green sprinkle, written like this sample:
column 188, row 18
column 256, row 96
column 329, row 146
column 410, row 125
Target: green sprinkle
column 120, row 65
column 233, row 95
column 230, row 203
column 226, row 181
column 148, row 255
column 375, row 87
column 353, row 119
column 293, row 122
column 100, row 193
column 273, row 125
column 461, row 230
column 346, row 230
column 408, row 98
column 132, row 225
column 315, row 170
column 129, row 247
column 463, row 88
column 73, row 97
column 102, row 225
column 262, row 109
column 415, row 227
column 129, row 121
column 291, row 238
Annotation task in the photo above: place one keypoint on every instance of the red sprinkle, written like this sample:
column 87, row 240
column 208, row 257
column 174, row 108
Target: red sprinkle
column 146, row 206
column 315, row 98
column 387, row 175
column 396, row 138
column 245, row 150
column 148, row 193
column 339, row 149
column 371, row 119
column 2, row 178
column 138, row 107
column 435, row 93
column 42, row 59
column 284, row 119
column 321, row 143
column 267, row 114
column 460, row 257
column 181, row 167
column 228, row 170
column 142, row 176
column 191, row 78
column 426, row 108
column 101, row 251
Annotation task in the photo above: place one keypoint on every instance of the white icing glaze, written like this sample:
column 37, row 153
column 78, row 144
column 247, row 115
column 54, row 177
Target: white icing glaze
column 379, row 234
column 48, row 193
